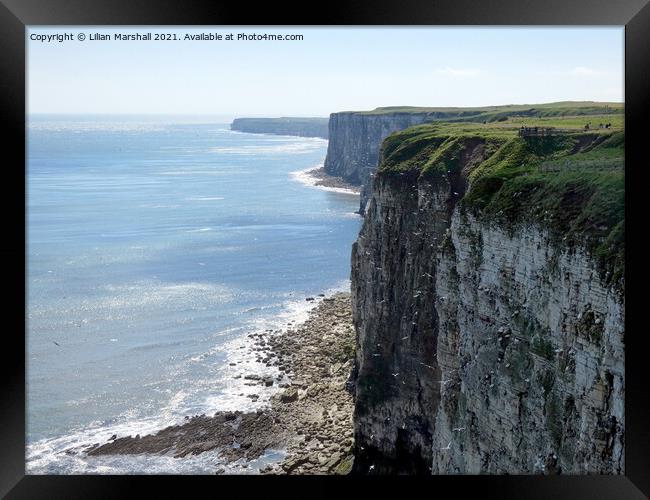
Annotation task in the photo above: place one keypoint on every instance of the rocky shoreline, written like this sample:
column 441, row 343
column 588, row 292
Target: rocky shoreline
column 324, row 179
column 310, row 417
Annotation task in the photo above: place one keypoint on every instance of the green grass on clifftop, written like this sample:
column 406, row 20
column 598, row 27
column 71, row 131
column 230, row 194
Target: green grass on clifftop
column 570, row 182
column 494, row 113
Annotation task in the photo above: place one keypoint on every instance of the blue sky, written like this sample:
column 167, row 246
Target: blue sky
column 332, row 69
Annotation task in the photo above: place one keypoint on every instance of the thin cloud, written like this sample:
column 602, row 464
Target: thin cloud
column 584, row 71
column 460, row 72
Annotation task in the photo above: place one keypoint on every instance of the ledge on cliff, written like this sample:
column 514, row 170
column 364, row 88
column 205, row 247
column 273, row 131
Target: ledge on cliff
column 568, row 178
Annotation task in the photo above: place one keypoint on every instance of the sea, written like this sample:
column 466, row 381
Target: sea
column 155, row 246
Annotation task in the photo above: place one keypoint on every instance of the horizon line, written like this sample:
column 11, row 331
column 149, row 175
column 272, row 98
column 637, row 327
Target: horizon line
column 279, row 115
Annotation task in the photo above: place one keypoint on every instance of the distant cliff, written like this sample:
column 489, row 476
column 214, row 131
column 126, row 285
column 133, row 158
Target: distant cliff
column 353, row 150
column 303, row 127
column 355, row 137
column 487, row 289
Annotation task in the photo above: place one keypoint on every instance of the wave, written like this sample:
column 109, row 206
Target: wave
column 276, row 145
column 64, row 455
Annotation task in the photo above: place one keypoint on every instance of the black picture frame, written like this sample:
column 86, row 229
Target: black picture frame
column 15, row 15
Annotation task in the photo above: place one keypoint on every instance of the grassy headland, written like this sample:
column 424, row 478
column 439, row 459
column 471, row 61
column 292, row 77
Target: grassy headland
column 570, row 179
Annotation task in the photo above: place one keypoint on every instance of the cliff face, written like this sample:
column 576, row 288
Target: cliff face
column 397, row 394
column 353, row 150
column 303, row 127
column 489, row 335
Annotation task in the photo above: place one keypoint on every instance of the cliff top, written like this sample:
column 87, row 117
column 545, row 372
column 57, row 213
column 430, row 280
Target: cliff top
column 571, row 181
column 494, row 113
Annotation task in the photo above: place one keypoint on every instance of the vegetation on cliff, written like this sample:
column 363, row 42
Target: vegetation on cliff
column 496, row 113
column 565, row 171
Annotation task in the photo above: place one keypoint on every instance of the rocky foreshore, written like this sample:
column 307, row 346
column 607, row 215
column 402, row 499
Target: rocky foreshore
column 310, row 417
column 322, row 178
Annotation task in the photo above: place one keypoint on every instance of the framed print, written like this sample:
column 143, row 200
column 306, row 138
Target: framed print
column 385, row 245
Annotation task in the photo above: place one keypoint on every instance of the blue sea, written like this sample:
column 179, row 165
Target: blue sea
column 154, row 247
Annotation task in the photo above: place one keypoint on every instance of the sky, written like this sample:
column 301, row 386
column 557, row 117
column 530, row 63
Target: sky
column 329, row 70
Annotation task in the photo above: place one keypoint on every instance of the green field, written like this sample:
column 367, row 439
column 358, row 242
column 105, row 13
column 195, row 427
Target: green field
column 564, row 108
